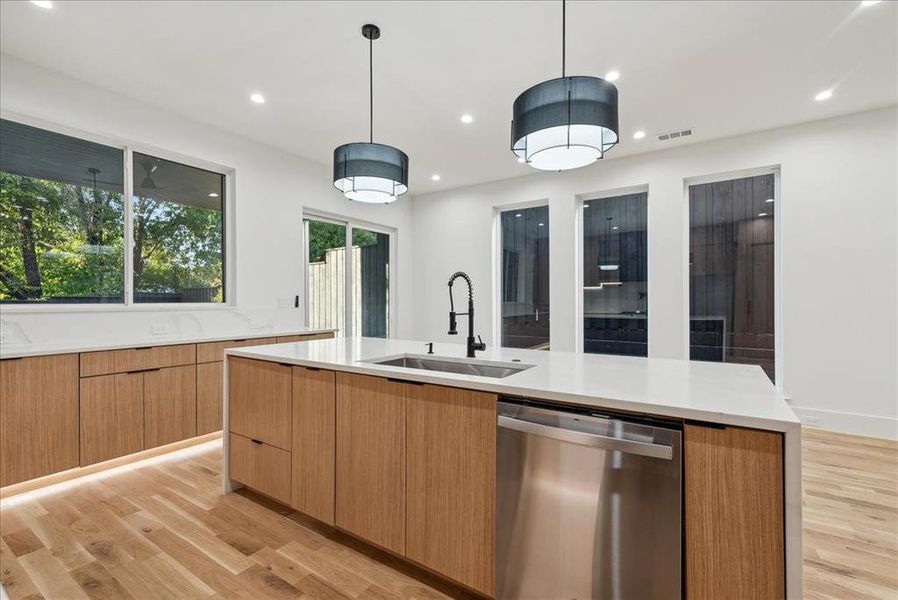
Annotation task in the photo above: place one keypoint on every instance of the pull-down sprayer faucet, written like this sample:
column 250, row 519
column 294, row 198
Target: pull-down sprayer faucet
column 472, row 345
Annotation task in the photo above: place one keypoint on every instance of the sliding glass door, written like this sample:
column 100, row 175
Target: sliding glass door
column 347, row 278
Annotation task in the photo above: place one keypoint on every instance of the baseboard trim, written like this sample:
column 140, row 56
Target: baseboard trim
column 845, row 422
column 80, row 472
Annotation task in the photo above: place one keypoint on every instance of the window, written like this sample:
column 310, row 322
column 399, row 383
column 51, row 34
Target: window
column 615, row 281
column 731, row 271
column 346, row 288
column 61, row 218
column 178, row 232
column 525, row 278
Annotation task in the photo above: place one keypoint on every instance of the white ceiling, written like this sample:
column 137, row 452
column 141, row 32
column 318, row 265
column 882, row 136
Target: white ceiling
column 723, row 68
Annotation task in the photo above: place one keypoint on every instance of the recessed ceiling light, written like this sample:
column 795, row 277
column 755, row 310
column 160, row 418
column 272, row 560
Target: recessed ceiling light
column 586, row 206
column 435, row 177
column 518, row 215
column 612, row 76
column 768, row 200
column 639, row 135
column 824, row 95
column 864, row 3
column 257, row 98
column 466, row 118
column 762, row 214
column 213, row 195
column 615, row 228
column 542, row 224
column 42, row 3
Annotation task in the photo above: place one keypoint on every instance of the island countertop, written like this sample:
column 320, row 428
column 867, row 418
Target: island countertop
column 729, row 394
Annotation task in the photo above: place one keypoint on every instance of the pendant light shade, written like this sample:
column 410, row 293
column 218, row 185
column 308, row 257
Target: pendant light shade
column 373, row 173
column 565, row 123
column 365, row 171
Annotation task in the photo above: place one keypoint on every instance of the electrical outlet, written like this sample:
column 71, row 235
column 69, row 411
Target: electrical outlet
column 161, row 329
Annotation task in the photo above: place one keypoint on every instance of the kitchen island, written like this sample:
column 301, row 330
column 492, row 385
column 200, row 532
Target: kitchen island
column 404, row 458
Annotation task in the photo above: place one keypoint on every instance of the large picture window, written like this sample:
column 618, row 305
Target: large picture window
column 347, row 278
column 61, row 218
column 63, row 221
column 731, row 271
column 525, row 278
column 615, row 275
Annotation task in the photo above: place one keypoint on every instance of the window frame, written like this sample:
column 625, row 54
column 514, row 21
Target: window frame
column 496, row 291
column 775, row 170
column 128, row 146
column 581, row 199
column 349, row 223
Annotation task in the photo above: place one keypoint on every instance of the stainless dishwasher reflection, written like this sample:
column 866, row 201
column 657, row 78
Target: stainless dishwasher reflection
column 588, row 506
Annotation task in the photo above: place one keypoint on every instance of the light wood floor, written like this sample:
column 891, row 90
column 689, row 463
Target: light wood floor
column 164, row 530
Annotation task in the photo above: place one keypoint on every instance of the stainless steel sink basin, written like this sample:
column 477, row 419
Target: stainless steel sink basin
column 463, row 366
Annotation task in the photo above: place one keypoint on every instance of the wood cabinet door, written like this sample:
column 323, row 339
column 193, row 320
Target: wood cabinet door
column 314, row 433
column 734, row 513
column 128, row 360
column 111, row 416
column 370, row 459
column 169, row 405
column 38, row 416
column 209, row 390
column 451, row 437
column 260, row 400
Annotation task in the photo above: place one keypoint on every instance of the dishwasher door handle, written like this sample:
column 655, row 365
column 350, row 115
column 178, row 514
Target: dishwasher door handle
column 587, row 439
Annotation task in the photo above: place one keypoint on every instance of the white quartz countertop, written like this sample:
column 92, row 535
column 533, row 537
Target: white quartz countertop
column 730, row 394
column 66, row 347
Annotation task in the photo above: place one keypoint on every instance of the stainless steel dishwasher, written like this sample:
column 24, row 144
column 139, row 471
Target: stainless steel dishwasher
column 589, row 506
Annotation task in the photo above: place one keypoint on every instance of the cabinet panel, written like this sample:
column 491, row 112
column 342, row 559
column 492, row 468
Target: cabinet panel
column 370, row 481
column 38, row 416
column 214, row 351
column 169, row 405
column 284, row 339
column 111, row 416
column 314, row 429
column 136, row 359
column 451, row 437
column 209, row 390
column 260, row 400
column 734, row 513
column 262, row 467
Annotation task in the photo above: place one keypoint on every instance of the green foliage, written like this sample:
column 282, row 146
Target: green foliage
column 326, row 236
column 60, row 240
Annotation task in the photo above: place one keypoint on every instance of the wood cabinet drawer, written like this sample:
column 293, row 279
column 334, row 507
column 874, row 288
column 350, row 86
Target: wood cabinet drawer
column 260, row 400
column 169, row 405
column 263, row 467
column 214, row 351
column 136, row 359
column 111, row 416
column 285, row 339
column 38, row 416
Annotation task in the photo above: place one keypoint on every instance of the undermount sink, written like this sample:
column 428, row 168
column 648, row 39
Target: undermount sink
column 463, row 366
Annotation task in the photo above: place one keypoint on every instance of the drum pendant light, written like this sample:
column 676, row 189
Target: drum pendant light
column 565, row 123
column 365, row 171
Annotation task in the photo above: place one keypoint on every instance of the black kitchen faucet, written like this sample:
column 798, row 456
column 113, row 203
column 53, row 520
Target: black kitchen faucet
column 472, row 345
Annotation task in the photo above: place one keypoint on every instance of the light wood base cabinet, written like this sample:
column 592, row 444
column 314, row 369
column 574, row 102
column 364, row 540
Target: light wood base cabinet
column 38, row 416
column 314, row 433
column 209, row 390
column 111, row 416
column 260, row 401
column 370, row 460
column 169, row 405
column 734, row 513
column 261, row 466
column 451, row 494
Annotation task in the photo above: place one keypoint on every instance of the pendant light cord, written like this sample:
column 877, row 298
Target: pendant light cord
column 563, row 32
column 371, row 90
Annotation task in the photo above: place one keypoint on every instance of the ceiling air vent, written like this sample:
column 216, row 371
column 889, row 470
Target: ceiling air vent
column 672, row 135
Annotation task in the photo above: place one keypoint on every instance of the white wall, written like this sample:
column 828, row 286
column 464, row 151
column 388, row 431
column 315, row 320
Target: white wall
column 839, row 253
column 272, row 189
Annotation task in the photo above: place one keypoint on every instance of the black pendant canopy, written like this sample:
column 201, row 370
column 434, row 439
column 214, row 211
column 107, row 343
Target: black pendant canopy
column 565, row 123
column 365, row 171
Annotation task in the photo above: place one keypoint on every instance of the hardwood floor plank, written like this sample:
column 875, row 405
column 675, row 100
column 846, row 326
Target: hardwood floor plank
column 13, row 576
column 64, row 547
column 50, row 577
column 22, row 542
column 99, row 584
